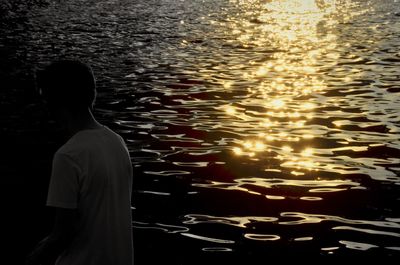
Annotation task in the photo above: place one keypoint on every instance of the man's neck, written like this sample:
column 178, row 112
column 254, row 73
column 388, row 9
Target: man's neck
column 82, row 120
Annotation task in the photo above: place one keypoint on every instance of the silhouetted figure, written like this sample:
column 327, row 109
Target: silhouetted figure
column 91, row 181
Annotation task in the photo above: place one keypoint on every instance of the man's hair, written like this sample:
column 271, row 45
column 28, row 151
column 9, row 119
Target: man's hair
column 67, row 83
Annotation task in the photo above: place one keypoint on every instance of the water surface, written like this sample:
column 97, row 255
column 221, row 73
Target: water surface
column 256, row 128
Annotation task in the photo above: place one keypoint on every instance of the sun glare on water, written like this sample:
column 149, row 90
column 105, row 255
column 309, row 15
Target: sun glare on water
column 299, row 31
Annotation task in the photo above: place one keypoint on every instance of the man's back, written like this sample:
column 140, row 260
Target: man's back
column 92, row 173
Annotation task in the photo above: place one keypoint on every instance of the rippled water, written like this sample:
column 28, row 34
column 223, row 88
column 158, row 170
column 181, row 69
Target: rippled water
column 255, row 127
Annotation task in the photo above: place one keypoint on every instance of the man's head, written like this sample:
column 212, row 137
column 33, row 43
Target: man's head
column 67, row 84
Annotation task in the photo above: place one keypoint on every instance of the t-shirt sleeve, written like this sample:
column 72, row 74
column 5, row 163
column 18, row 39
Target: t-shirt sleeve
column 64, row 183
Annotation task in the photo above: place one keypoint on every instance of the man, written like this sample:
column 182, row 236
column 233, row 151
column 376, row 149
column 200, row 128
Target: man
column 91, row 181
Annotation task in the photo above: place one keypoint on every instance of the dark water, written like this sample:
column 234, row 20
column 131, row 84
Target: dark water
column 257, row 128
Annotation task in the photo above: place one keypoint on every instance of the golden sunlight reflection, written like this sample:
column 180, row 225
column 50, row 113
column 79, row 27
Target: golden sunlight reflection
column 262, row 237
column 230, row 110
column 308, row 106
column 276, row 113
column 277, row 103
column 288, row 81
column 287, row 149
column 307, row 152
column 312, row 186
column 250, row 148
column 261, row 71
column 227, row 84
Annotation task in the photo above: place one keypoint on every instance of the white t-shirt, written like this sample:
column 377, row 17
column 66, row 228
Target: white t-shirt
column 92, row 173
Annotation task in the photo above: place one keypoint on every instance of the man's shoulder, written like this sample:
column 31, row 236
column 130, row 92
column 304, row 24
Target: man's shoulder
column 75, row 145
column 67, row 151
column 115, row 134
column 85, row 141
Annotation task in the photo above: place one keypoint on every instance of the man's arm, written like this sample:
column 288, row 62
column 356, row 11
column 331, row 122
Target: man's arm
column 49, row 248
